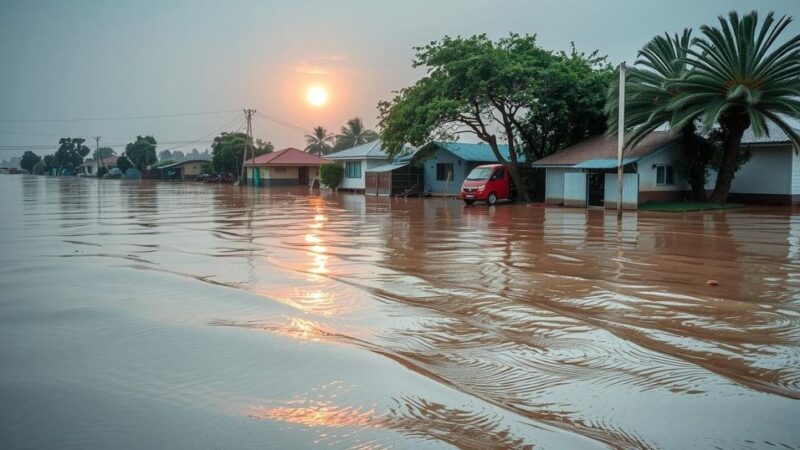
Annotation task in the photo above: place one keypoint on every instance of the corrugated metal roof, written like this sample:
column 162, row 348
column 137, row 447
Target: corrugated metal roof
column 775, row 136
column 472, row 152
column 601, row 147
column 388, row 167
column 169, row 166
column 370, row 150
column 603, row 163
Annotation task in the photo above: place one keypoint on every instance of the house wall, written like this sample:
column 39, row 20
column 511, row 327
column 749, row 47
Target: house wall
column 554, row 186
column 795, row 172
column 769, row 171
column 460, row 171
column 289, row 177
column 360, row 183
column 647, row 171
column 575, row 188
column 631, row 185
column 192, row 169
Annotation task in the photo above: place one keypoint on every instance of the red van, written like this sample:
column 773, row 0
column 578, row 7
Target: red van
column 489, row 183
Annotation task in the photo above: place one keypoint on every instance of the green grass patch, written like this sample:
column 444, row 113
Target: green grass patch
column 687, row 206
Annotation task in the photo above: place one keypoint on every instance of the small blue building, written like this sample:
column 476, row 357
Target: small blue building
column 446, row 164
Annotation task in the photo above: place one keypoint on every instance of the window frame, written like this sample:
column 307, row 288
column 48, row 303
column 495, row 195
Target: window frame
column 668, row 175
column 440, row 177
column 352, row 170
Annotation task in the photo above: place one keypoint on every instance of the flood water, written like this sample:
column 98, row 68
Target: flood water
column 169, row 315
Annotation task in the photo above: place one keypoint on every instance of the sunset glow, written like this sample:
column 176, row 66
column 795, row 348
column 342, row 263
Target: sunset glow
column 316, row 96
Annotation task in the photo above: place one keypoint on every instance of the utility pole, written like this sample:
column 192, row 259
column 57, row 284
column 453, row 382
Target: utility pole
column 96, row 155
column 248, row 114
column 620, row 138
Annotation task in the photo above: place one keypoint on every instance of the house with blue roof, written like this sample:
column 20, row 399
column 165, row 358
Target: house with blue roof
column 445, row 165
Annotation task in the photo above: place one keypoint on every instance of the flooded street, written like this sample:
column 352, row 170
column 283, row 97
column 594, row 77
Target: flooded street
column 178, row 315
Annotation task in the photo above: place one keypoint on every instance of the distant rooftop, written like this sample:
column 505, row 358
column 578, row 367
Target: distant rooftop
column 286, row 157
column 370, row 150
column 470, row 152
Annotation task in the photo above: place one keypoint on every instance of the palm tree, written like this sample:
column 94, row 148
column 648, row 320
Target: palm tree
column 353, row 134
column 648, row 99
column 737, row 80
column 319, row 141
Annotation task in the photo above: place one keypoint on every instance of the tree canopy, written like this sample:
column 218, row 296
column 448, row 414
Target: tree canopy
column 320, row 141
column 70, row 153
column 29, row 159
column 142, row 152
column 227, row 151
column 354, row 134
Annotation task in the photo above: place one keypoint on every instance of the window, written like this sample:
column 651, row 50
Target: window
column 352, row 169
column 444, row 172
column 665, row 175
column 498, row 175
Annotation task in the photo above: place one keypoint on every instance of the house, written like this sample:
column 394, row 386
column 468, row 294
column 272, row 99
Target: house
column 287, row 167
column 585, row 174
column 445, row 165
column 771, row 175
column 357, row 161
column 184, row 170
column 395, row 178
column 90, row 166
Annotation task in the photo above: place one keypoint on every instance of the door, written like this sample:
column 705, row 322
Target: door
column 384, row 183
column 499, row 183
column 371, row 183
column 596, row 186
column 302, row 176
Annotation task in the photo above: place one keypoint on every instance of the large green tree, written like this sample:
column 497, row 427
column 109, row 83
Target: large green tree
column 29, row 159
column 105, row 152
column 320, row 141
column 478, row 86
column 354, row 134
column 70, row 153
column 740, row 78
column 227, row 151
column 142, row 152
column 569, row 104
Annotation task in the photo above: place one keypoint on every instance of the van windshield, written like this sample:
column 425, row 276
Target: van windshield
column 480, row 173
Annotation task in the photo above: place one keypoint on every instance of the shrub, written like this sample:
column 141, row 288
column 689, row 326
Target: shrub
column 331, row 175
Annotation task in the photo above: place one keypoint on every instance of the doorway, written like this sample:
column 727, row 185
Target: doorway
column 302, row 176
column 596, row 185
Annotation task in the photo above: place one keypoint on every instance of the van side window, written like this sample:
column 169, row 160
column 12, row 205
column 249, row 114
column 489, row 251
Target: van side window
column 498, row 175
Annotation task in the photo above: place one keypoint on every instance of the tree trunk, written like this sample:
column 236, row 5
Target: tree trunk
column 513, row 168
column 697, row 179
column 730, row 159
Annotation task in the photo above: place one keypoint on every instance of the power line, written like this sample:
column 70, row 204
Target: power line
column 282, row 122
column 88, row 119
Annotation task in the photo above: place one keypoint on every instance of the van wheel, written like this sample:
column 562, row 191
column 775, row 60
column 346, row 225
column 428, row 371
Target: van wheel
column 491, row 200
column 469, row 202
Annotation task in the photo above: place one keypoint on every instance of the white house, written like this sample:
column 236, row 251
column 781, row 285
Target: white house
column 771, row 175
column 585, row 174
column 357, row 161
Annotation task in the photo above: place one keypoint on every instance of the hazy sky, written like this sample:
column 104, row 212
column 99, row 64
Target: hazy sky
column 109, row 59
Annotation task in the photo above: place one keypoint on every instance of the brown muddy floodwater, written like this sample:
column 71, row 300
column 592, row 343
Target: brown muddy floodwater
column 158, row 315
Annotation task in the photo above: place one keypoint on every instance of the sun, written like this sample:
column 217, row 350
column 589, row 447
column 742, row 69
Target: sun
column 316, row 96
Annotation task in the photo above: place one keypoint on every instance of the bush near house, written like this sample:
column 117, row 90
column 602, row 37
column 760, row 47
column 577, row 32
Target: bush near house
column 331, row 175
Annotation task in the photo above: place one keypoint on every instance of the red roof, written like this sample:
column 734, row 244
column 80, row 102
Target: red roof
column 287, row 157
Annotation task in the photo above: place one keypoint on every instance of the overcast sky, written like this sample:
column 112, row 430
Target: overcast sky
column 108, row 59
